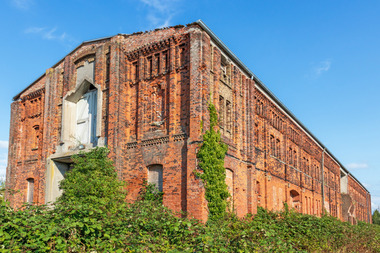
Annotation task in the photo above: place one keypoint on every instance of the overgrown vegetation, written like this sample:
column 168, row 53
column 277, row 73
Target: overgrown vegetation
column 84, row 225
column 211, row 161
column 92, row 182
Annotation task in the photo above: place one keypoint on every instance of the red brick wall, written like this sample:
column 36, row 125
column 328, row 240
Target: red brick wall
column 361, row 201
column 155, row 118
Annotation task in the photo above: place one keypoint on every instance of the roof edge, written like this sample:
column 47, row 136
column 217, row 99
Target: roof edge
column 220, row 43
column 56, row 64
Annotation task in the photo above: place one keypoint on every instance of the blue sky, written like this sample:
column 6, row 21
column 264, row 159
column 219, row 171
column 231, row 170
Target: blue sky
column 320, row 58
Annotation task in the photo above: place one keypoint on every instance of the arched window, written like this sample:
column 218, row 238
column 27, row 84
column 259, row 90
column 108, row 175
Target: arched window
column 81, row 108
column 155, row 176
column 80, row 115
column 30, row 193
column 295, row 199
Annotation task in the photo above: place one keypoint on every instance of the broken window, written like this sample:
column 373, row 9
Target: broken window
column 80, row 114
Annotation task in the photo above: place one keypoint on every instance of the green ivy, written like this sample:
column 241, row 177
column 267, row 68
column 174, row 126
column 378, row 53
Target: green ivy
column 211, row 161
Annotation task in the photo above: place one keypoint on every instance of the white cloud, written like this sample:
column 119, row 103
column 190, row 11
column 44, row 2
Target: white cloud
column 22, row 4
column 3, row 144
column 322, row 67
column 49, row 34
column 160, row 5
column 353, row 166
column 52, row 34
column 160, row 12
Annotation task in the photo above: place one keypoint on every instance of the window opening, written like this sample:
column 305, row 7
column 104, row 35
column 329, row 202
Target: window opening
column 155, row 176
column 30, row 194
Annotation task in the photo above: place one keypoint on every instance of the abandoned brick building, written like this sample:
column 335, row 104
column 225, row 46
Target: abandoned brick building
column 144, row 96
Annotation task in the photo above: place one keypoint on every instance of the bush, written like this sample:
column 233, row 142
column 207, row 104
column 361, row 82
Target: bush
column 79, row 223
column 92, row 182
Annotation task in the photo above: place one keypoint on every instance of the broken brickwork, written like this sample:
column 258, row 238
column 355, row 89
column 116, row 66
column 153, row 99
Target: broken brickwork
column 144, row 96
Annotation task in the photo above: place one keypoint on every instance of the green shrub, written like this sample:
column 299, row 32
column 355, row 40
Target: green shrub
column 92, row 182
column 82, row 225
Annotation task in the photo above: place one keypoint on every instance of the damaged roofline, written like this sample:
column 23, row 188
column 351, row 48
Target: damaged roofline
column 55, row 65
column 239, row 63
column 271, row 95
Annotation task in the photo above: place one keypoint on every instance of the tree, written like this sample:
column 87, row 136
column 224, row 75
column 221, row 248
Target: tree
column 211, row 161
column 376, row 217
column 92, row 182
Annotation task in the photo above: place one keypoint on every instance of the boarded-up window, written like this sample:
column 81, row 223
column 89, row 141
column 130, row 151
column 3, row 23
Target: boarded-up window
column 30, row 194
column 86, row 118
column 230, row 182
column 155, row 176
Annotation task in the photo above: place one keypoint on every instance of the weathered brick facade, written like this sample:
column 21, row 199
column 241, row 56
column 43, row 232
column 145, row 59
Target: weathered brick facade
column 149, row 94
